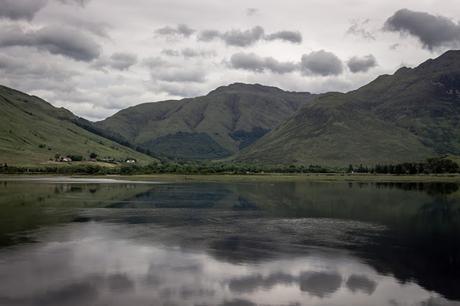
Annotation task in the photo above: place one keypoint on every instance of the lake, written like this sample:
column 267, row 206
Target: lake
column 67, row 241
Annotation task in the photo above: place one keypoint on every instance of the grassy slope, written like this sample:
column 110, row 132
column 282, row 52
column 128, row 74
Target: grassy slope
column 28, row 122
column 214, row 125
column 408, row 116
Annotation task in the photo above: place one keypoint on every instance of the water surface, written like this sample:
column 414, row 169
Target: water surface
column 76, row 242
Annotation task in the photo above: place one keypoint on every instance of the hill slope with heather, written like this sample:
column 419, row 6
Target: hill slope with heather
column 32, row 132
column 217, row 125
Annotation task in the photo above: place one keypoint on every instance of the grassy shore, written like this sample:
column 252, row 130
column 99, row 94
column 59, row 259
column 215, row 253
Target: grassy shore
column 299, row 177
column 330, row 177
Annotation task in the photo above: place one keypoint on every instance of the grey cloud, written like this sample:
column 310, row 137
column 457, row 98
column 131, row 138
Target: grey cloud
column 361, row 64
column 78, row 2
column 181, row 75
column 98, row 28
column 252, row 283
column 251, row 11
column 20, row 9
column 238, row 302
column 179, row 30
column 321, row 63
column 188, row 53
column 123, row 61
column 170, row 52
column 26, row 9
column 162, row 70
column 56, row 40
column 253, row 62
column 155, row 62
column 320, row 284
column 361, row 283
column 243, row 38
column 177, row 89
column 209, row 35
column 35, row 73
column 290, row 36
column 432, row 31
column 359, row 28
column 118, row 61
column 249, row 37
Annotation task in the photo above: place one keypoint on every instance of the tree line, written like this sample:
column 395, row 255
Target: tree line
column 430, row 166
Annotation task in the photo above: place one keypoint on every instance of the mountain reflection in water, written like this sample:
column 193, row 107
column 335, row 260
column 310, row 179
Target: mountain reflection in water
column 289, row 243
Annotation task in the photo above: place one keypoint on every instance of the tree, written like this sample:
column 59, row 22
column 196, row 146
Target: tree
column 350, row 168
column 93, row 155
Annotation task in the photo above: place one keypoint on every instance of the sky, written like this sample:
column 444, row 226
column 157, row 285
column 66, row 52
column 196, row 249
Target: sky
column 96, row 57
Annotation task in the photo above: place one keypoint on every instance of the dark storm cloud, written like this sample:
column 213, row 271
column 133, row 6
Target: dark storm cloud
column 290, row 36
column 20, row 9
column 118, row 61
column 321, row 63
column 179, row 30
column 255, row 63
column 244, row 38
column 361, row 64
column 56, row 40
column 433, row 31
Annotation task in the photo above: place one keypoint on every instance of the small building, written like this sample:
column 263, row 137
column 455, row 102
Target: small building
column 131, row 161
column 65, row 159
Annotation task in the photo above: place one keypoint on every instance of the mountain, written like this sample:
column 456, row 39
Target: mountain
column 217, row 125
column 410, row 115
column 32, row 132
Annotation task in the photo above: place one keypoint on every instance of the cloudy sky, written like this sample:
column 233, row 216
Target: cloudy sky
column 96, row 57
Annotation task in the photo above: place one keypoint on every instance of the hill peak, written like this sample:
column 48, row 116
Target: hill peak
column 244, row 87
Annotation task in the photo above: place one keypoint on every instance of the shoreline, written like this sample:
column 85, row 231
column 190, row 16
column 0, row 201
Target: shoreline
column 267, row 177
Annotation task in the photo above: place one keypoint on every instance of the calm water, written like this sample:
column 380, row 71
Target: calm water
column 97, row 242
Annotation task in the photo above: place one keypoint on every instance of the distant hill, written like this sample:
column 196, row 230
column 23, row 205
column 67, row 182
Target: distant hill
column 32, row 132
column 214, row 126
column 408, row 116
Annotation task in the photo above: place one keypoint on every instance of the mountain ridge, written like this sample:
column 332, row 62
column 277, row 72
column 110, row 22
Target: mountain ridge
column 407, row 116
column 216, row 125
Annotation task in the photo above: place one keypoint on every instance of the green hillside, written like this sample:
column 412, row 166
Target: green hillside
column 217, row 125
column 408, row 116
column 32, row 132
